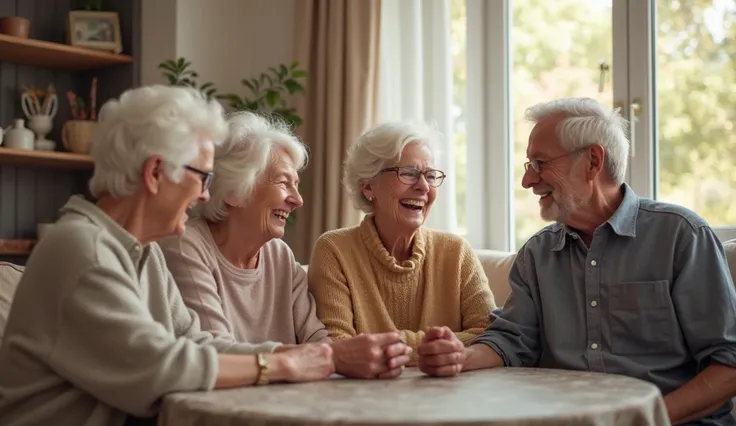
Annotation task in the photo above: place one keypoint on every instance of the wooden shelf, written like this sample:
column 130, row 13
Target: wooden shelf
column 55, row 55
column 16, row 247
column 45, row 159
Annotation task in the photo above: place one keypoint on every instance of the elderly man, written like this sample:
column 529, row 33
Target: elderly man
column 619, row 284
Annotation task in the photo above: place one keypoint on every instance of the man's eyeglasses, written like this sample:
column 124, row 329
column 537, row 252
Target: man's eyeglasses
column 206, row 177
column 536, row 165
column 410, row 175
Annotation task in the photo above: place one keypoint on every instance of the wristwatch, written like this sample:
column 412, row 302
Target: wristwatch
column 262, row 370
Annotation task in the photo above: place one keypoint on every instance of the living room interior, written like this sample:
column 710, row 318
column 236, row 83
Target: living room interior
column 471, row 67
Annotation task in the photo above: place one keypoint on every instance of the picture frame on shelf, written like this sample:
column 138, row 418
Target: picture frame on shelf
column 95, row 30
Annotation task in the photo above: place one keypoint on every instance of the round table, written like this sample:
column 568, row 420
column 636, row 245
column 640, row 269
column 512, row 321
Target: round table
column 501, row 396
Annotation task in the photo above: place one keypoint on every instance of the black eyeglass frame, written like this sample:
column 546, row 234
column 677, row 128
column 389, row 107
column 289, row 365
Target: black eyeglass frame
column 397, row 169
column 207, row 177
column 536, row 165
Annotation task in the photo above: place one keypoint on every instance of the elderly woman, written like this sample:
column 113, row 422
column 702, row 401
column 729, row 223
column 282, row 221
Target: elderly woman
column 390, row 273
column 98, row 331
column 234, row 270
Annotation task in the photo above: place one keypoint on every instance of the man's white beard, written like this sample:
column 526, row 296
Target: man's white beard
column 561, row 207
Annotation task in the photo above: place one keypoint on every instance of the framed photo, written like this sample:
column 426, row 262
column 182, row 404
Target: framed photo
column 95, row 30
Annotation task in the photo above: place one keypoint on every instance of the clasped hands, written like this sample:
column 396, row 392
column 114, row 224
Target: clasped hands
column 383, row 355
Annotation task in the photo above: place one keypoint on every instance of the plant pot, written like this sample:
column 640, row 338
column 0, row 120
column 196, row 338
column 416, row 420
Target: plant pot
column 76, row 135
column 15, row 26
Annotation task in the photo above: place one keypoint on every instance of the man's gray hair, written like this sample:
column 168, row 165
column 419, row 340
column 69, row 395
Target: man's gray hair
column 245, row 156
column 377, row 148
column 585, row 122
column 153, row 120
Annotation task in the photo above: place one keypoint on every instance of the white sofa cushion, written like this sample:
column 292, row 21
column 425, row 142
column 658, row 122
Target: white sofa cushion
column 497, row 265
column 9, row 276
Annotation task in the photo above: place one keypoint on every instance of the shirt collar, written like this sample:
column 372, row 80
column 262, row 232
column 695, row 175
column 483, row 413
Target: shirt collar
column 622, row 221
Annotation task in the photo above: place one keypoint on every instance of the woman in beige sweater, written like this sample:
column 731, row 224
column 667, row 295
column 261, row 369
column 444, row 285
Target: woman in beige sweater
column 97, row 332
column 234, row 270
column 390, row 273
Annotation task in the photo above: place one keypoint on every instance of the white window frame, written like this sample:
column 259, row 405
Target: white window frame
column 489, row 174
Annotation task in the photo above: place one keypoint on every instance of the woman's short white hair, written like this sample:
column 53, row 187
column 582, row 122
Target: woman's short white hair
column 153, row 120
column 378, row 148
column 585, row 122
column 245, row 156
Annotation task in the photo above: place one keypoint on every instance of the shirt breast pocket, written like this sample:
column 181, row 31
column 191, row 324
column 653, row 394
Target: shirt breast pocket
column 641, row 317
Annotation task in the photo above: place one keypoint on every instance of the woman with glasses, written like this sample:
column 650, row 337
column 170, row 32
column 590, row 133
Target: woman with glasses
column 98, row 332
column 390, row 273
column 234, row 270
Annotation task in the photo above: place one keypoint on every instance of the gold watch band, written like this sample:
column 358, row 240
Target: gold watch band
column 262, row 370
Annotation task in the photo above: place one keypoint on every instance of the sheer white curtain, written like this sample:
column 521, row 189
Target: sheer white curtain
column 415, row 83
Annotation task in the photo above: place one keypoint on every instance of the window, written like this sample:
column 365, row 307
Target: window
column 695, row 66
column 669, row 66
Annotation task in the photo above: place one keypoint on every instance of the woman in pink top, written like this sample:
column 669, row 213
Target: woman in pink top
column 234, row 270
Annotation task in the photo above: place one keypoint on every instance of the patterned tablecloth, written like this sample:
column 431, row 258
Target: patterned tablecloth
column 504, row 396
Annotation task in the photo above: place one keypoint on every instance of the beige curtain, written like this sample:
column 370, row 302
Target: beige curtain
column 337, row 42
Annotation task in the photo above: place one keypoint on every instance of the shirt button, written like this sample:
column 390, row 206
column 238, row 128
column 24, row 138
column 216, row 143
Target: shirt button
column 594, row 303
column 593, row 262
column 594, row 346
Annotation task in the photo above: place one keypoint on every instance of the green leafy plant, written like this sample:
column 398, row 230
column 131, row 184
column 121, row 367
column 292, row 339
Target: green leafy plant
column 179, row 73
column 268, row 93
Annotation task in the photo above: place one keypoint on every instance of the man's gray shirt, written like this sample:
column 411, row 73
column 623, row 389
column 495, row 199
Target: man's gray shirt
column 651, row 298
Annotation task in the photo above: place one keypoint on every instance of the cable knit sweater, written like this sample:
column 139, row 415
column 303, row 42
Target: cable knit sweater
column 360, row 288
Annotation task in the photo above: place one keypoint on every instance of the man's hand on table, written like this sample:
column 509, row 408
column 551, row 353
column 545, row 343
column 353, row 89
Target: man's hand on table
column 371, row 356
column 442, row 354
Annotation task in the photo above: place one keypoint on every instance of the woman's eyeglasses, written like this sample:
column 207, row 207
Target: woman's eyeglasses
column 206, row 177
column 410, row 175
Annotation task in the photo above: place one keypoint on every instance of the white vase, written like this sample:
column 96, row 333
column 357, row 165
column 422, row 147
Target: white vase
column 18, row 136
column 41, row 126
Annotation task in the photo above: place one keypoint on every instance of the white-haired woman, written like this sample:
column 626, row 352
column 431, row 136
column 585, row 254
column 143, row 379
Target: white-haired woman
column 234, row 270
column 98, row 332
column 390, row 273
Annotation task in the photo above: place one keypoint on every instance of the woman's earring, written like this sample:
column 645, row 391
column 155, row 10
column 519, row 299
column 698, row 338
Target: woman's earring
column 370, row 199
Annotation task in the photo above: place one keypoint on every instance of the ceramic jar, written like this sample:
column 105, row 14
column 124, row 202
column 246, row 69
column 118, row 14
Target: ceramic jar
column 18, row 136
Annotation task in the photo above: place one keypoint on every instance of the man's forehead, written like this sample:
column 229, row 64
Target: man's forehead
column 543, row 138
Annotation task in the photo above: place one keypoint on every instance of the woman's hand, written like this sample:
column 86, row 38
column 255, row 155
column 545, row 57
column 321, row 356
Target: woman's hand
column 371, row 356
column 302, row 363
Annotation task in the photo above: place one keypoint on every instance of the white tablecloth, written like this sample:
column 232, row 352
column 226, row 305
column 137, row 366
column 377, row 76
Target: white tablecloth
column 503, row 396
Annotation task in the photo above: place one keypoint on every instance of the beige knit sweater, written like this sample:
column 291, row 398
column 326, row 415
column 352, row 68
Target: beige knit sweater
column 360, row 288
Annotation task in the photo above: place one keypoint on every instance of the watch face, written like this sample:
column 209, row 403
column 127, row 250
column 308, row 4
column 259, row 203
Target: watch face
column 262, row 360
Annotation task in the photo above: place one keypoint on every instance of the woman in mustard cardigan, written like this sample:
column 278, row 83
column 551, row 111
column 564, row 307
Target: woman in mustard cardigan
column 390, row 273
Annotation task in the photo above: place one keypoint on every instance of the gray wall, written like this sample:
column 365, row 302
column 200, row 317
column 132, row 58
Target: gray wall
column 29, row 196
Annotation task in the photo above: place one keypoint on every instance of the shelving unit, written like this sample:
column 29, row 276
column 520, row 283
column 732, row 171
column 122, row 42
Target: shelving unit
column 55, row 55
column 45, row 159
column 16, row 247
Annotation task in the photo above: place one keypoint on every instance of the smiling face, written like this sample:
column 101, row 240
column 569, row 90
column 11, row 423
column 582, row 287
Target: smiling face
column 275, row 197
column 559, row 184
column 402, row 206
column 174, row 198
